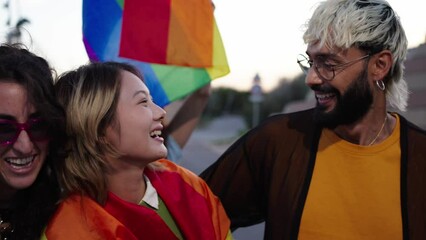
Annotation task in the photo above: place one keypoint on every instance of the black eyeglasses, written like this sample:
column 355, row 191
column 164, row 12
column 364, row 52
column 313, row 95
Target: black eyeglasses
column 324, row 70
column 36, row 128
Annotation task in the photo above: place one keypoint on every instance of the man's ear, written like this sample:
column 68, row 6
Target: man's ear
column 381, row 64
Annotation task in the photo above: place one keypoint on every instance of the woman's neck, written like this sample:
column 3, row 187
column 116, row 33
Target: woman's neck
column 129, row 185
column 7, row 196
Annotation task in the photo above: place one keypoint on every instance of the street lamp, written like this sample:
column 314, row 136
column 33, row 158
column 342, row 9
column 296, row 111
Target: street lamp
column 256, row 97
column 14, row 35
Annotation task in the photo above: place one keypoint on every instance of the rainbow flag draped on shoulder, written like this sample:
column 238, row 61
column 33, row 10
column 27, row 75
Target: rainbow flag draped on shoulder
column 176, row 44
column 197, row 212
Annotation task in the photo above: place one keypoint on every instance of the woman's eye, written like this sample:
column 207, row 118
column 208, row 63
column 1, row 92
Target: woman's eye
column 143, row 101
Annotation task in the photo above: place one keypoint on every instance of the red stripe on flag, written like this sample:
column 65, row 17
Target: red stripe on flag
column 145, row 29
column 184, row 203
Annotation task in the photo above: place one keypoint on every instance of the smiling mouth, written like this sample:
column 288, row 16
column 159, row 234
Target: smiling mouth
column 156, row 133
column 325, row 97
column 20, row 162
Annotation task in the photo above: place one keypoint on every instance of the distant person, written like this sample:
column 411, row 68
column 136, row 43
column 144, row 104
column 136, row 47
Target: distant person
column 348, row 168
column 115, row 183
column 187, row 115
column 31, row 131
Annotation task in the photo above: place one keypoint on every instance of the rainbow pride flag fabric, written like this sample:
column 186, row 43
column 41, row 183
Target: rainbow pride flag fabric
column 197, row 212
column 176, row 44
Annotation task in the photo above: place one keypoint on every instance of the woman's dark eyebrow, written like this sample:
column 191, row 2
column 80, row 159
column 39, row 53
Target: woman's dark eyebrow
column 13, row 118
column 7, row 116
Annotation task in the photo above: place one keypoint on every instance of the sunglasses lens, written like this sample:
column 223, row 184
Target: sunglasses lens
column 39, row 130
column 7, row 132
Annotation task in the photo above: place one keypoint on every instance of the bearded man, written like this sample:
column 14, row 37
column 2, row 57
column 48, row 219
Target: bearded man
column 349, row 168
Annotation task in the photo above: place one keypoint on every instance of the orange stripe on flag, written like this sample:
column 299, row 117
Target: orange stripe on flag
column 191, row 33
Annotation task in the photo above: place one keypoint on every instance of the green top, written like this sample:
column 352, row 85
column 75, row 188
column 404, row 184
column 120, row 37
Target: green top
column 165, row 215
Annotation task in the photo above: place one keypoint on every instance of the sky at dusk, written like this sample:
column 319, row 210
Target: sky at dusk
column 260, row 36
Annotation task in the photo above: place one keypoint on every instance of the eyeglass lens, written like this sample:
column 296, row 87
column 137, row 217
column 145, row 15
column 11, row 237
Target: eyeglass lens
column 304, row 63
column 323, row 70
column 37, row 130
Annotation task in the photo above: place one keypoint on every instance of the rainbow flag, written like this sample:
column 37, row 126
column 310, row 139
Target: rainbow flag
column 176, row 44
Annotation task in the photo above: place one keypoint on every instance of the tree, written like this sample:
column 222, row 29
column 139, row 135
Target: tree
column 230, row 101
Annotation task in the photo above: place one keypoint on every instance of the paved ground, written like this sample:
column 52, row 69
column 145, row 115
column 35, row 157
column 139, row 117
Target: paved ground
column 206, row 145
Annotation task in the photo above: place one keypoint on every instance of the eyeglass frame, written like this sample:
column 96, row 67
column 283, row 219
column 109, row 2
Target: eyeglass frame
column 21, row 127
column 332, row 68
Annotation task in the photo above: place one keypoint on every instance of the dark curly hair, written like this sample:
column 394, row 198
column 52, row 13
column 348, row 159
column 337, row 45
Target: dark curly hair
column 34, row 206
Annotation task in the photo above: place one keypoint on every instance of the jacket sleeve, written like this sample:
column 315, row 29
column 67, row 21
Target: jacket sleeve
column 264, row 170
column 233, row 179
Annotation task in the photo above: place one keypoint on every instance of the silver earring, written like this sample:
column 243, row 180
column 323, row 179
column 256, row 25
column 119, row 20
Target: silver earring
column 381, row 85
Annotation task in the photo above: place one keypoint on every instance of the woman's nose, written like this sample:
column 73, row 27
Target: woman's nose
column 23, row 143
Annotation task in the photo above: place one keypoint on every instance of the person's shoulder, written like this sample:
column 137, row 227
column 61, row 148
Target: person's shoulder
column 170, row 166
column 417, row 129
column 185, row 174
column 77, row 200
column 412, row 127
column 298, row 121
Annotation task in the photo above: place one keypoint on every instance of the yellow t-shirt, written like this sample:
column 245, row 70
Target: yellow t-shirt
column 354, row 191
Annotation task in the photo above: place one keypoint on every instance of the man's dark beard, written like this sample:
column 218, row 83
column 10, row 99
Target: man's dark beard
column 351, row 106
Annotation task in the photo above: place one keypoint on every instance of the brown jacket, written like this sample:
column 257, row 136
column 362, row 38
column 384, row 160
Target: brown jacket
column 265, row 175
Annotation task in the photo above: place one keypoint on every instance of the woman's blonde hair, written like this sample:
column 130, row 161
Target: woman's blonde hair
column 89, row 96
column 370, row 25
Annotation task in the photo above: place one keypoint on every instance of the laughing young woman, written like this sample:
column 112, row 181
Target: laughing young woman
column 30, row 133
column 115, row 186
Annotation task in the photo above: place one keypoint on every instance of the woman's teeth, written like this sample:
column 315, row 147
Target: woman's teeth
column 155, row 133
column 20, row 162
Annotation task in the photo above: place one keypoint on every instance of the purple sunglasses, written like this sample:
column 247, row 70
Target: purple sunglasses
column 36, row 128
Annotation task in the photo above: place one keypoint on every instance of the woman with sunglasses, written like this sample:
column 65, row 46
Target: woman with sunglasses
column 114, row 185
column 30, row 133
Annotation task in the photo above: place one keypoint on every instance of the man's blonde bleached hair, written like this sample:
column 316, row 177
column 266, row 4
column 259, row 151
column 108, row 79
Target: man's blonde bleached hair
column 370, row 25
